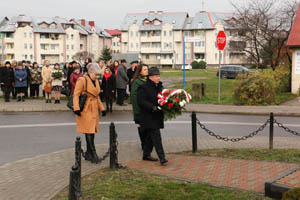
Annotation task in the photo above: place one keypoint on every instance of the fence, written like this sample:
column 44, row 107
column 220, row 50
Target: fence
column 75, row 192
column 271, row 121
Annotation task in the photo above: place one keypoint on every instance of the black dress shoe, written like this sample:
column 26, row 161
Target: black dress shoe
column 163, row 161
column 150, row 158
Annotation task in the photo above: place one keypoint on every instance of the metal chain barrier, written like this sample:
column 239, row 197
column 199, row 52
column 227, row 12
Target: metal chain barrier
column 78, row 192
column 118, row 165
column 280, row 125
column 226, row 139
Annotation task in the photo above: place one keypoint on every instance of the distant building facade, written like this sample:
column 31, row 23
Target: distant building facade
column 158, row 38
column 55, row 39
column 116, row 40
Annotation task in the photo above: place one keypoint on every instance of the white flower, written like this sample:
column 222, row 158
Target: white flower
column 159, row 108
column 184, row 102
column 181, row 103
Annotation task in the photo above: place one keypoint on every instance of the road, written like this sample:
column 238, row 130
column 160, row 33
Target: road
column 24, row 135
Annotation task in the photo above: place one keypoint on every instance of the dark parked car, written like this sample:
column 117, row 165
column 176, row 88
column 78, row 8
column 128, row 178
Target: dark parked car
column 231, row 71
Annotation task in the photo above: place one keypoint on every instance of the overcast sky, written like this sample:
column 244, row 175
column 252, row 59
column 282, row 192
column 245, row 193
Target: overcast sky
column 108, row 13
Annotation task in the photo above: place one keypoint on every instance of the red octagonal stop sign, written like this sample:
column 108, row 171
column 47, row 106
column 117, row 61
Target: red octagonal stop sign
column 221, row 40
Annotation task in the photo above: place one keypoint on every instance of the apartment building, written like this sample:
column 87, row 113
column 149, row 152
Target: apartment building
column 55, row 39
column 158, row 38
column 116, row 40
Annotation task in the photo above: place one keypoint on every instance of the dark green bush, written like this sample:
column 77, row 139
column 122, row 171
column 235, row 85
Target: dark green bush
column 198, row 65
column 293, row 194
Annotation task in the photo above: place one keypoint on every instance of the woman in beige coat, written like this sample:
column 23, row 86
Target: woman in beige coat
column 88, row 120
column 47, row 80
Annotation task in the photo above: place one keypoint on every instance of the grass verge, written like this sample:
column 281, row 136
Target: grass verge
column 126, row 184
column 282, row 155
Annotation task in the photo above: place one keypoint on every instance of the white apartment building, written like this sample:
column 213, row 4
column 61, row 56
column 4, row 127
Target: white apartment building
column 158, row 38
column 55, row 39
column 116, row 40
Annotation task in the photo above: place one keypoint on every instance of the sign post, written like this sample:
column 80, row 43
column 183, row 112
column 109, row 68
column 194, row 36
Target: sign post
column 221, row 43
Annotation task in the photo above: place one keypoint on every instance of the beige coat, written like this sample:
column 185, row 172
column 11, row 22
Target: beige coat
column 88, row 122
column 47, row 76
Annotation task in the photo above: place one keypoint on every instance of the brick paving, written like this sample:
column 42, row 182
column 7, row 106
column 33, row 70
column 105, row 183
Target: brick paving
column 291, row 180
column 41, row 177
column 235, row 173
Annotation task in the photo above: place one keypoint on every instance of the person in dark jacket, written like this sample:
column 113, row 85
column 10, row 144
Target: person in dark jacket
column 130, row 72
column 139, row 78
column 121, row 83
column 114, row 68
column 20, row 81
column 27, row 67
column 14, row 66
column 108, row 88
column 7, row 80
column 86, row 62
column 152, row 118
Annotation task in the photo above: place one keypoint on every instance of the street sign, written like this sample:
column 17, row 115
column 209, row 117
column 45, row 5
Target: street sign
column 192, row 39
column 221, row 40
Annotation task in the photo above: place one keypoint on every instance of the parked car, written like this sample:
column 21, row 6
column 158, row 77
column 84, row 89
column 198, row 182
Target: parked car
column 187, row 67
column 231, row 71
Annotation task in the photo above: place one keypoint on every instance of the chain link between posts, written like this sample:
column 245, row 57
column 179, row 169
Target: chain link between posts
column 226, row 139
column 280, row 125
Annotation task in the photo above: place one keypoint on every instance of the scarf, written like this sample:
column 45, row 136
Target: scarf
column 106, row 76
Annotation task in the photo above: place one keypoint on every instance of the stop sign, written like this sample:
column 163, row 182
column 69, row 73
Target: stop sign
column 221, row 40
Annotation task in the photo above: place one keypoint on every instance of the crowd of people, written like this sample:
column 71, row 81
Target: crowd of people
column 101, row 82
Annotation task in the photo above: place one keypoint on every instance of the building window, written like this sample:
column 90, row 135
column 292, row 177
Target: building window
column 81, row 46
column 187, row 33
column 25, row 35
column 30, row 35
column 170, row 33
column 43, row 57
column 52, row 46
column 25, row 46
column 30, row 45
column 114, row 44
column 68, row 57
column 25, row 57
column 44, row 35
column 67, row 47
column 72, row 47
column 147, row 57
column 203, row 43
column 72, row 36
column 31, row 57
column 170, row 56
column 170, row 45
column 118, row 44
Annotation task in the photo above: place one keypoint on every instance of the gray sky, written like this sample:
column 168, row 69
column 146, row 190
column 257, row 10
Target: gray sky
column 108, row 14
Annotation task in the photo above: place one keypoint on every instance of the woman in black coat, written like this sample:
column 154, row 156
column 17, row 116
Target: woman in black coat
column 7, row 80
column 108, row 88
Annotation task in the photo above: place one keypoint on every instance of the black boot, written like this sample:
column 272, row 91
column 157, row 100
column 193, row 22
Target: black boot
column 110, row 103
column 142, row 135
column 19, row 99
column 107, row 106
column 58, row 101
column 95, row 158
column 23, row 98
column 88, row 153
column 55, row 102
column 47, row 100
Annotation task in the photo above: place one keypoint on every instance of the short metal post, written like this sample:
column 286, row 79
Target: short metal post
column 271, row 131
column 194, row 132
column 74, row 177
column 78, row 157
column 112, row 145
column 202, row 89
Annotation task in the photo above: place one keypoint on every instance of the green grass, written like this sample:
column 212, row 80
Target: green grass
column 282, row 155
column 211, row 80
column 127, row 184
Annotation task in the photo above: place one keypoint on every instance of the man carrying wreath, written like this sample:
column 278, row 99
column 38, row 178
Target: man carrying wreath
column 152, row 118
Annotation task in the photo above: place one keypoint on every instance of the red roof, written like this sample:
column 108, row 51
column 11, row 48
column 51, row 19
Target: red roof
column 113, row 32
column 294, row 37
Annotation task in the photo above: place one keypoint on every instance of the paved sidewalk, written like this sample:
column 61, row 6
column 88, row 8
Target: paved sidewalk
column 43, row 176
column 288, row 109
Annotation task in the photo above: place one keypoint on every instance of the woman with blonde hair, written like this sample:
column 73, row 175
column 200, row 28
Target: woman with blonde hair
column 87, row 120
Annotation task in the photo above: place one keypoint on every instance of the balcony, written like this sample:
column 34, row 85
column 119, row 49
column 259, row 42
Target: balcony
column 150, row 39
column 9, row 40
column 50, row 51
column 199, row 49
column 9, row 51
column 150, row 50
column 166, row 62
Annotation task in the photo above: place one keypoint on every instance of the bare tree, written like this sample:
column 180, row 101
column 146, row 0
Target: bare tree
column 266, row 25
column 82, row 55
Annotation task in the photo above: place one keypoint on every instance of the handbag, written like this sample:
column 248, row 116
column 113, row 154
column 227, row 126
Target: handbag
column 66, row 91
column 82, row 99
column 48, row 89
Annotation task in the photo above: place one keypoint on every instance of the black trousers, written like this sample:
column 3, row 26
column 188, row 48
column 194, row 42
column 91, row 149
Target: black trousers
column 121, row 96
column 6, row 90
column 153, row 139
column 34, row 90
column 14, row 93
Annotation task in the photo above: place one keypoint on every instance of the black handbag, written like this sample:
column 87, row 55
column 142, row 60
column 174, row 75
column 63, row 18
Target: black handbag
column 66, row 91
column 82, row 99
